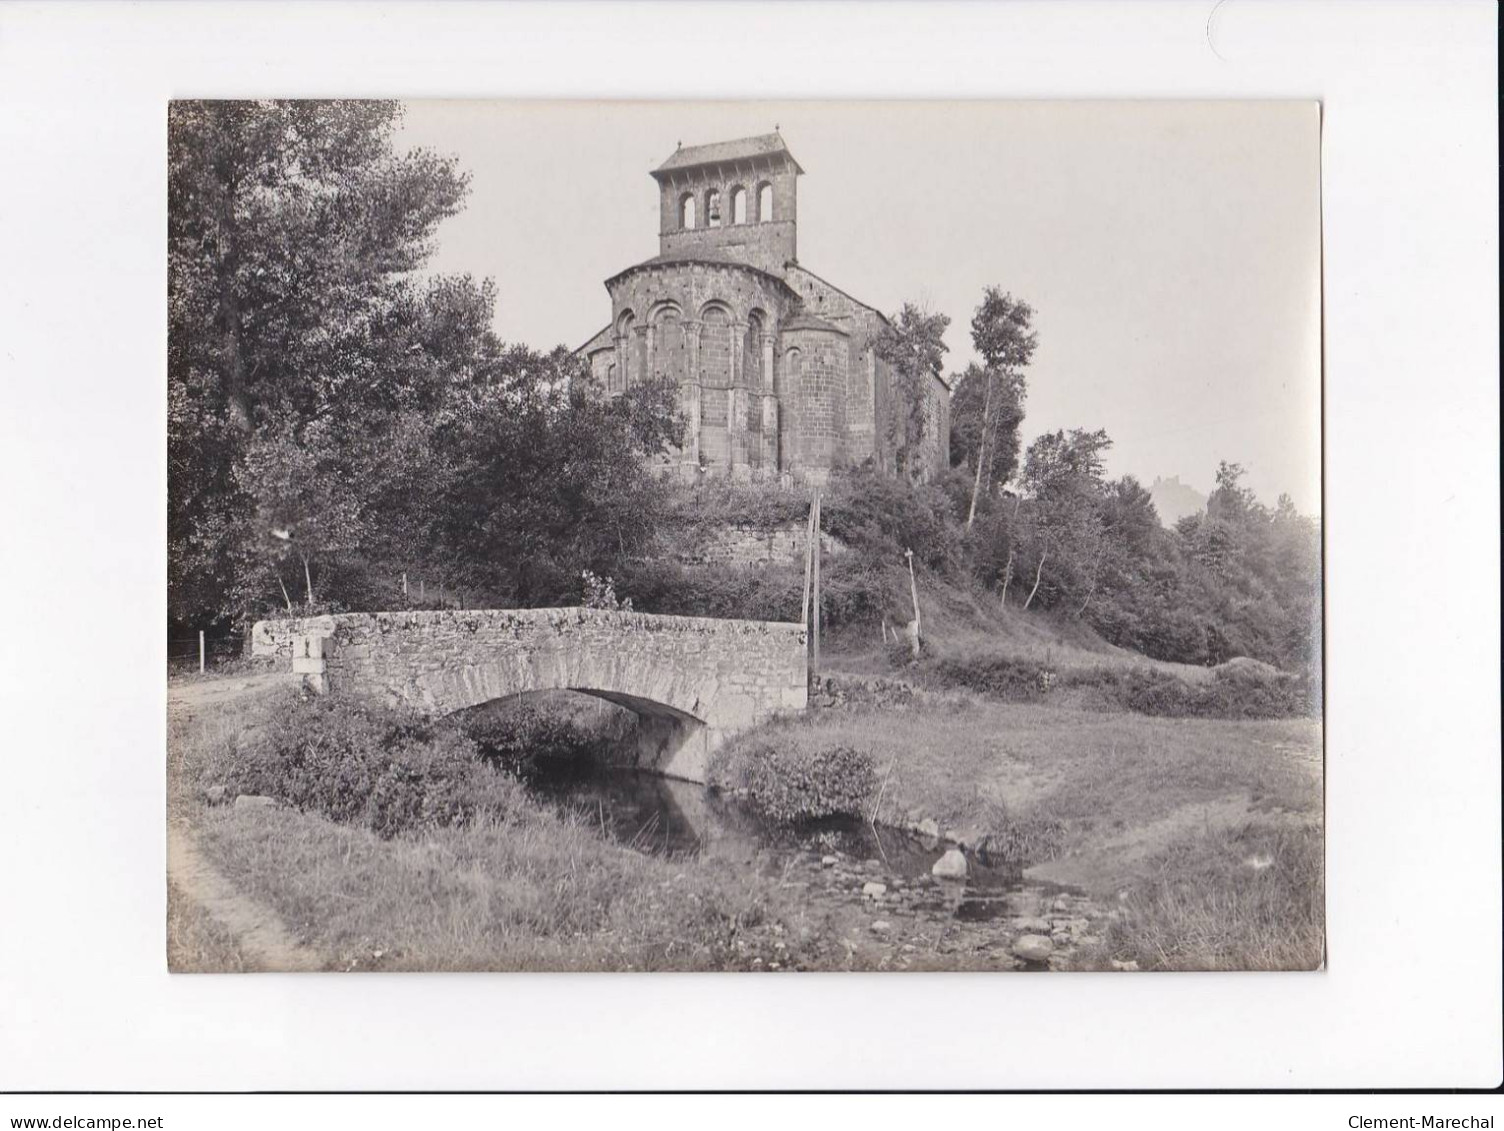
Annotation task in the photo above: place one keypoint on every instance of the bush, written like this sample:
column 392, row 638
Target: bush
column 1232, row 693
column 391, row 771
column 789, row 786
column 763, row 593
column 718, row 502
column 1240, row 689
column 1015, row 680
column 882, row 517
column 1255, row 692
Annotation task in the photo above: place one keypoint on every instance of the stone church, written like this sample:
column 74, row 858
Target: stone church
column 776, row 368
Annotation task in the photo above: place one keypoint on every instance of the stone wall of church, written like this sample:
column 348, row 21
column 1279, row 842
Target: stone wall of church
column 711, row 329
column 815, row 363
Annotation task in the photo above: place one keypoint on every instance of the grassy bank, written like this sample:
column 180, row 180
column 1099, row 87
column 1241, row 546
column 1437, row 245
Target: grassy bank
column 528, row 890
column 1205, row 831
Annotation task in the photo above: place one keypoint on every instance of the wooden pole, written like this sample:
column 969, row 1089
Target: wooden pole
column 404, row 585
column 914, row 594
column 815, row 609
column 200, row 651
column 809, row 538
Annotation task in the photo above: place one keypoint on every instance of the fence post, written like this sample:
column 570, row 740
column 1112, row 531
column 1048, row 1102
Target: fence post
column 200, row 651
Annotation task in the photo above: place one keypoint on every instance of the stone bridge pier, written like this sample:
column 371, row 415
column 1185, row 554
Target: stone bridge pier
column 692, row 681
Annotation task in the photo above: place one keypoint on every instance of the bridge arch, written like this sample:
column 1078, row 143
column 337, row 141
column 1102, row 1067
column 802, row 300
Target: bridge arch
column 694, row 681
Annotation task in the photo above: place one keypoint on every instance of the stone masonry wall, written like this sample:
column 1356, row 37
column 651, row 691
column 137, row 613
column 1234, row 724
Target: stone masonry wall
column 698, row 679
column 740, row 544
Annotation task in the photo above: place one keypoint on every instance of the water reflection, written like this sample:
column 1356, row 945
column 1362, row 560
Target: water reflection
column 661, row 816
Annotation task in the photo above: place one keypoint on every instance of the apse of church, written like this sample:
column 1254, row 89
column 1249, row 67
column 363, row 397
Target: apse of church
column 776, row 369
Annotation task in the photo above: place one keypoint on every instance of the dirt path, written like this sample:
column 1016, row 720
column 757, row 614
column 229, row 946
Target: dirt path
column 258, row 933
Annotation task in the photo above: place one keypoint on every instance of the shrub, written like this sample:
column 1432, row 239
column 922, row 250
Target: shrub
column 388, row 770
column 1237, row 690
column 717, row 502
column 1157, row 693
column 882, row 517
column 789, row 786
column 1232, row 693
column 1255, row 692
column 763, row 593
column 999, row 676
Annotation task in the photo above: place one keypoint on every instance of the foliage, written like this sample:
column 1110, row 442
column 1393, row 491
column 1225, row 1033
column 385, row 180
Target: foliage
column 977, row 415
column 726, row 502
column 987, row 404
column 387, row 770
column 542, row 476
column 520, row 737
column 883, row 517
column 1063, row 526
column 600, row 593
column 293, row 232
column 335, row 418
column 1001, row 677
column 1239, row 690
column 788, row 787
column 913, row 344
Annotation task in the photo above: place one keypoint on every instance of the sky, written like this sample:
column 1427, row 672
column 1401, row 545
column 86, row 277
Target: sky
column 1170, row 250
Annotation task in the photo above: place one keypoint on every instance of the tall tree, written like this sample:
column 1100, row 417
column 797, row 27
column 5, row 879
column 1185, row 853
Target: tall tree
column 294, row 229
column 1064, row 477
column 1001, row 333
column 914, row 347
column 986, row 411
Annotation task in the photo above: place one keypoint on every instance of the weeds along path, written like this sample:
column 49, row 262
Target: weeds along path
column 258, row 933
column 256, row 929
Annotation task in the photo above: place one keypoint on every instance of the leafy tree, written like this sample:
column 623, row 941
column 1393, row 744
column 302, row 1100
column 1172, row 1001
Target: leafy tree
column 1000, row 331
column 986, row 410
column 543, row 477
column 1063, row 475
column 914, row 346
column 293, row 232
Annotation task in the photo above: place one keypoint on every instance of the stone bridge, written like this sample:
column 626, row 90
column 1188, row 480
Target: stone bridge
column 693, row 681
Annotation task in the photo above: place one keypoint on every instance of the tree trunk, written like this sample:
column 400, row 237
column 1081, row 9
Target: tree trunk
column 1096, row 568
column 976, row 486
column 1037, row 574
column 285, row 595
column 308, row 581
column 1008, row 565
column 1090, row 590
column 233, row 376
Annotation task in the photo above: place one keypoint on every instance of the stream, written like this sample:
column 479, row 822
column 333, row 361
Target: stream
column 876, row 882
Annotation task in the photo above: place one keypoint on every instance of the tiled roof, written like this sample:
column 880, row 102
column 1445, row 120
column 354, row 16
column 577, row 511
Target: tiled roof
column 742, row 149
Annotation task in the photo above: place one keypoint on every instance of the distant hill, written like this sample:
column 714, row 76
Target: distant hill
column 1175, row 500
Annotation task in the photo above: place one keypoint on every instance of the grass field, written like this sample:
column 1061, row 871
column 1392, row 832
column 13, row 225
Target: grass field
column 1206, row 831
column 540, row 892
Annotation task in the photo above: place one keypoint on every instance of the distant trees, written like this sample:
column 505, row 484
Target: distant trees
column 1239, row 580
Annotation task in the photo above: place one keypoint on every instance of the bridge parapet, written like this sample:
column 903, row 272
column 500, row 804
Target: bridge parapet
column 694, row 680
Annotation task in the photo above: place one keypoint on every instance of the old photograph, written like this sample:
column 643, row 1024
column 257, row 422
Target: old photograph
column 734, row 536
